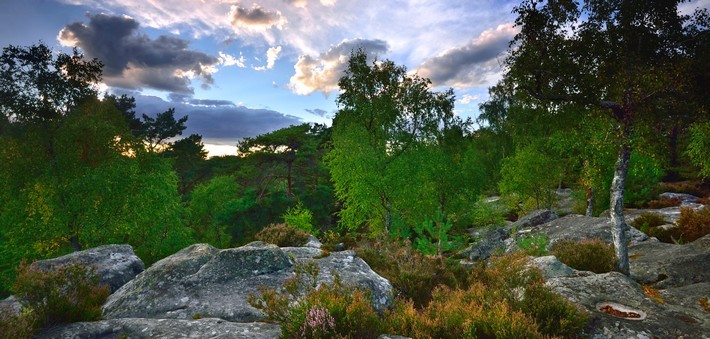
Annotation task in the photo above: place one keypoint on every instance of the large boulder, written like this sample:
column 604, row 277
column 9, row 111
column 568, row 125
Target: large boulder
column 202, row 280
column 500, row 239
column 670, row 265
column 114, row 264
column 164, row 328
column 534, row 218
column 683, row 197
column 596, row 291
column 578, row 227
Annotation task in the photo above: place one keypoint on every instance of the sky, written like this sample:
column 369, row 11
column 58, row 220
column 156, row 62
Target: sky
column 243, row 68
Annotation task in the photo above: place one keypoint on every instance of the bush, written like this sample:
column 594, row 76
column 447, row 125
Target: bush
column 586, row 255
column 300, row 218
column 507, row 299
column 694, row 224
column 413, row 275
column 664, row 202
column 16, row 325
column 61, row 294
column 332, row 310
column 646, row 221
column 487, row 214
column 282, row 235
column 534, row 245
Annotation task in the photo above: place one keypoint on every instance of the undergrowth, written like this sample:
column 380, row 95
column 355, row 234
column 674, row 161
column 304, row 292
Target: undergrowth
column 586, row 255
column 61, row 294
column 282, row 235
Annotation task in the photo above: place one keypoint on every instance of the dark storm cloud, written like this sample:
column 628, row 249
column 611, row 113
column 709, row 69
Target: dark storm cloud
column 471, row 64
column 219, row 123
column 133, row 60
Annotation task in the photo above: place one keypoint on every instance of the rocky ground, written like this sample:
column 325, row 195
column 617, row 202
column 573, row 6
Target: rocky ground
column 201, row 291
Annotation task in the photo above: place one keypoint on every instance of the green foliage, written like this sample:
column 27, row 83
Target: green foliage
column 699, row 147
column 647, row 220
column 534, row 244
column 487, row 214
column 413, row 275
column 93, row 184
column 332, row 310
column 282, row 235
column 16, row 325
column 531, row 173
column 300, row 218
column 433, row 236
column 63, row 294
column 391, row 129
column 506, row 299
column 208, row 210
column 586, row 255
column 37, row 84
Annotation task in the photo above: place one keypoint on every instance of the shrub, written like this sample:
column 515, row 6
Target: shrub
column 487, row 214
column 507, row 299
column 16, row 325
column 586, row 255
column 300, row 218
column 534, row 245
column 413, row 275
column 664, row 202
column 647, row 220
column 694, row 224
column 61, row 294
column 332, row 310
column 282, row 235
column 434, row 236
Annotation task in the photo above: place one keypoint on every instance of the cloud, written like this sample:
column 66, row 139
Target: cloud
column 133, row 60
column 474, row 64
column 229, row 60
column 468, row 98
column 320, row 112
column 218, row 121
column 255, row 18
column 322, row 73
column 271, row 56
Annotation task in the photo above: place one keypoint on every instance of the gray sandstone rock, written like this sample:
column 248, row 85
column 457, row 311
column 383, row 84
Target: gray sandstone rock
column 534, row 218
column 670, row 265
column 114, row 264
column 201, row 280
column 661, row 320
column 578, row 227
column 164, row 328
column 681, row 196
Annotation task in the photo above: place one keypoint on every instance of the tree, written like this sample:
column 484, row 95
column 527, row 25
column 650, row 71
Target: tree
column 619, row 58
column 188, row 155
column 699, row 147
column 532, row 175
column 161, row 128
column 37, row 86
column 384, row 115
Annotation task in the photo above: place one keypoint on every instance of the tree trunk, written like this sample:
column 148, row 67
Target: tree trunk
column 590, row 201
column 289, row 193
column 619, row 225
column 75, row 243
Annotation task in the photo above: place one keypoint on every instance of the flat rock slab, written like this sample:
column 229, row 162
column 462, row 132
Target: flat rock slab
column 114, row 264
column 203, row 281
column 661, row 320
column 164, row 328
column 579, row 227
column 670, row 265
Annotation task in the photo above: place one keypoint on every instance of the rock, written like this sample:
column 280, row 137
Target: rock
column 313, row 242
column 680, row 196
column 578, row 227
column 340, row 247
column 114, row 264
column 164, row 328
column 625, row 294
column 489, row 242
column 670, row 265
column 534, row 218
column 201, row 280
column 391, row 336
column 352, row 270
column 553, row 268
